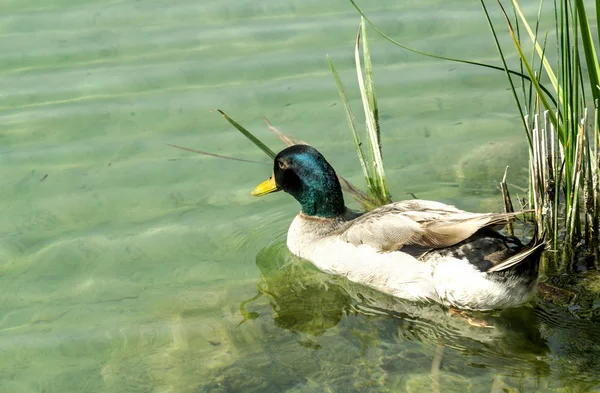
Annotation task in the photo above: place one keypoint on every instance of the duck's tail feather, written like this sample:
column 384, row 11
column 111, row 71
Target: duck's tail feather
column 532, row 250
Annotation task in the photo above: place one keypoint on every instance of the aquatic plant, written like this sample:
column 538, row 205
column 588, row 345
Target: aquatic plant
column 563, row 140
column 561, row 133
column 373, row 165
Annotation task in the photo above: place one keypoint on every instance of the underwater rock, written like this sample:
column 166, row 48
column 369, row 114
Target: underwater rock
column 481, row 168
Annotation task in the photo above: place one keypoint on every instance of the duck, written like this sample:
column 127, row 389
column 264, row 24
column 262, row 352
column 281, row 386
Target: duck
column 416, row 250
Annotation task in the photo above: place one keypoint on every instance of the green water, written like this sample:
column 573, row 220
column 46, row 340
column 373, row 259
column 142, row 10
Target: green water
column 130, row 266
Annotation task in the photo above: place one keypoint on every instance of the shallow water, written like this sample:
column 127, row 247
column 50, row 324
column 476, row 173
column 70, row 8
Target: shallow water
column 130, row 266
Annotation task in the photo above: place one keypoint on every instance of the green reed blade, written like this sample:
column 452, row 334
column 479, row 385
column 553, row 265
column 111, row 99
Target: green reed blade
column 215, row 155
column 351, row 125
column 598, row 20
column 365, row 200
column 249, row 135
column 542, row 56
column 518, row 31
column 548, row 69
column 369, row 80
column 533, row 79
column 382, row 191
column 589, row 50
column 539, row 73
column 510, row 81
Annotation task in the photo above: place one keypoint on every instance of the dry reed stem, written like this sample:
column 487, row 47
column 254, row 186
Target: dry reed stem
column 435, row 368
column 508, row 206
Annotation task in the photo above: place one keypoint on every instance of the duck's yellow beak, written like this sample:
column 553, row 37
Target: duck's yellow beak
column 266, row 187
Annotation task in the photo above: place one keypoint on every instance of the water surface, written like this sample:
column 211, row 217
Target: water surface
column 130, row 266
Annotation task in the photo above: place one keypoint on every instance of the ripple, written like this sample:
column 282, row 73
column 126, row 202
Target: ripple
column 123, row 271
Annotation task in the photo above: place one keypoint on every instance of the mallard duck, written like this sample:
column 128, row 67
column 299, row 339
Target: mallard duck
column 417, row 250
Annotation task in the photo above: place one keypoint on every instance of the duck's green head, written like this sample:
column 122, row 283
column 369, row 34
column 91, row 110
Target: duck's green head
column 302, row 172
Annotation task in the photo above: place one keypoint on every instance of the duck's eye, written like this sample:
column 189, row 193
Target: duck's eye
column 282, row 165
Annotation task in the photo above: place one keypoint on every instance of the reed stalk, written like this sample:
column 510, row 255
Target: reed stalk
column 372, row 162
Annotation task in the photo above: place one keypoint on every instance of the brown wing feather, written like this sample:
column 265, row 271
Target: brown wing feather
column 418, row 223
column 453, row 230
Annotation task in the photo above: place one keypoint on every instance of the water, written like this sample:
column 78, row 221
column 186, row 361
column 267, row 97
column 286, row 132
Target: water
column 130, row 266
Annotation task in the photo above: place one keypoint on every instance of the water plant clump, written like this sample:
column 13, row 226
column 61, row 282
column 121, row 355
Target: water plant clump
column 562, row 125
column 558, row 106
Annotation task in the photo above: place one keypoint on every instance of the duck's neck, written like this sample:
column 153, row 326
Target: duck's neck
column 320, row 195
column 322, row 203
column 316, row 186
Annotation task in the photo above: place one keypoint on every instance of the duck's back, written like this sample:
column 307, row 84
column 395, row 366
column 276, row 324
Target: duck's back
column 398, row 274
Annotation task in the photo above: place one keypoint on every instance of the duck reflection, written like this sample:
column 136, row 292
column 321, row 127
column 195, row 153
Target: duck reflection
column 309, row 303
column 306, row 300
column 303, row 301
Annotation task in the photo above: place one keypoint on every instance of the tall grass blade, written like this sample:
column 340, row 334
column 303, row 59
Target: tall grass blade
column 539, row 72
column 589, row 50
column 369, row 80
column 351, row 125
column 249, row 135
column 382, row 191
column 215, row 155
column 508, row 206
column 518, row 31
column 288, row 140
column 595, row 184
column 597, row 20
column 510, row 81
column 365, row 200
column 544, row 160
column 541, row 66
column 532, row 76
column 547, row 67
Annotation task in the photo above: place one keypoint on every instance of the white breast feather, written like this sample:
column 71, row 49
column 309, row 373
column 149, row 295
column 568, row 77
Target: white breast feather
column 395, row 273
